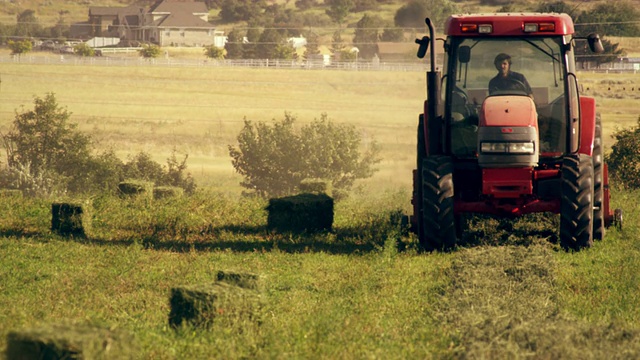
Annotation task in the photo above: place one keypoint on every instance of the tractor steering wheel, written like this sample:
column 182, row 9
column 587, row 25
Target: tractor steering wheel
column 516, row 87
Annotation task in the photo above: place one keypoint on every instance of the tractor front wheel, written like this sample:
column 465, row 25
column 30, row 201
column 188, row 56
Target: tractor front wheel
column 576, row 212
column 438, row 218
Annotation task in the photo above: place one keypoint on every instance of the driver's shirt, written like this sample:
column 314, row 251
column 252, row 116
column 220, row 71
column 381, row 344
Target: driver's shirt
column 501, row 83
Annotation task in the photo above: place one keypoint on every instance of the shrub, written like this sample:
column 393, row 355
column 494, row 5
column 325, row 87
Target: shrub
column 19, row 47
column 214, row 52
column 624, row 159
column 150, row 51
column 43, row 149
column 274, row 160
column 83, row 49
column 47, row 155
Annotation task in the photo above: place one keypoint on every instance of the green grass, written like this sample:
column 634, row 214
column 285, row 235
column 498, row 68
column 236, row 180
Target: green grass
column 360, row 291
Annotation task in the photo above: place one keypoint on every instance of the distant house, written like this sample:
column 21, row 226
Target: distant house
column 166, row 22
column 179, row 23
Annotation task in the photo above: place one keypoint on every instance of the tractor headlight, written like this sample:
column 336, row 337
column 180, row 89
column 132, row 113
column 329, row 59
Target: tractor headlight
column 507, row 147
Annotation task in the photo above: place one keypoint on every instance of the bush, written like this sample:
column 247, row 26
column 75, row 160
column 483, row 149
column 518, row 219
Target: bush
column 624, row 159
column 274, row 160
column 214, row 52
column 84, row 50
column 47, row 155
column 150, row 51
column 19, row 47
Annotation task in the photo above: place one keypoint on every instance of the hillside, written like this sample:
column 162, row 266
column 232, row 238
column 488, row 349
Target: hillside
column 49, row 12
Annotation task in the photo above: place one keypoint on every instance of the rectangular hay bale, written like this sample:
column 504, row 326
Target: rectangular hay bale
column 58, row 341
column 136, row 188
column 164, row 192
column 200, row 305
column 243, row 280
column 70, row 219
column 299, row 213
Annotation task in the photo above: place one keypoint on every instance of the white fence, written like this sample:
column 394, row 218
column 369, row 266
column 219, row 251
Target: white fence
column 70, row 59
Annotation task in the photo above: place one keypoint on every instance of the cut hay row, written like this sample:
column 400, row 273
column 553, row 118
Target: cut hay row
column 501, row 303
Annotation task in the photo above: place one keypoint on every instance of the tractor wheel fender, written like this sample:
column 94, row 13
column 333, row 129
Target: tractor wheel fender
column 587, row 124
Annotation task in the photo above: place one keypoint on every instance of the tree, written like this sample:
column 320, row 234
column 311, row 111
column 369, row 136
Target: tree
column 313, row 45
column 392, row 35
column 274, row 159
column 555, row 7
column 306, row 4
column 364, row 5
column 20, row 46
column 27, row 25
column 366, row 36
column 273, row 45
column 412, row 14
column 624, row 159
column 604, row 19
column 213, row 52
column 241, row 10
column 233, row 46
column 337, row 44
column 44, row 147
column 339, row 10
column 611, row 53
column 250, row 49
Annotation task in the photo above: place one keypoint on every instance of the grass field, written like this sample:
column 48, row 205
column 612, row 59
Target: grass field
column 199, row 111
column 360, row 291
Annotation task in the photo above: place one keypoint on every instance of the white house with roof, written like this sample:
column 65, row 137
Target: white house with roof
column 165, row 23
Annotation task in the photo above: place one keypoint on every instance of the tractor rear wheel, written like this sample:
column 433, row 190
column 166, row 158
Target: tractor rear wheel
column 576, row 211
column 598, row 190
column 438, row 218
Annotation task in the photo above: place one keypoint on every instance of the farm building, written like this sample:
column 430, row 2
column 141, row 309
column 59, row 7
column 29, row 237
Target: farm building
column 165, row 23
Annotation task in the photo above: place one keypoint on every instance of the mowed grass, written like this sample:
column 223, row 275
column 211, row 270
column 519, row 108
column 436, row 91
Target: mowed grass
column 360, row 291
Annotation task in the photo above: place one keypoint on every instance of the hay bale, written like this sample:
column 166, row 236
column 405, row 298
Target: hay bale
column 164, row 192
column 134, row 188
column 10, row 194
column 70, row 219
column 243, row 280
column 200, row 305
column 298, row 213
column 70, row 342
column 315, row 186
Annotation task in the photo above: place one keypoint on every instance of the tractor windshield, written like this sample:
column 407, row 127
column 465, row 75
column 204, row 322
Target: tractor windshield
column 482, row 67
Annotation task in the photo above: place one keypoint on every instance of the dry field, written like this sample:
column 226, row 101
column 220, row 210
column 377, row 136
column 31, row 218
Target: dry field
column 199, row 110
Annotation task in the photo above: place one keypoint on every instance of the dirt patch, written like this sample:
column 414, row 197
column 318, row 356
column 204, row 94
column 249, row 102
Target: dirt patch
column 501, row 303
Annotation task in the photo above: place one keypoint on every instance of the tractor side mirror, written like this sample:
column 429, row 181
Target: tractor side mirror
column 424, row 45
column 595, row 44
column 464, row 54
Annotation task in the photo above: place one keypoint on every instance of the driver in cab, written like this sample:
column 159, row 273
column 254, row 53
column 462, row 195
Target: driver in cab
column 506, row 79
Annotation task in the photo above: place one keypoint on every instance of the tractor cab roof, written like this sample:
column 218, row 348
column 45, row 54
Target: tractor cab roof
column 509, row 24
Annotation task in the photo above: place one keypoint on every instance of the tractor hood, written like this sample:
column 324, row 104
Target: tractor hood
column 508, row 132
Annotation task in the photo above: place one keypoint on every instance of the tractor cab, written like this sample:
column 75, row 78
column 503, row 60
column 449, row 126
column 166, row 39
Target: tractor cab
column 540, row 66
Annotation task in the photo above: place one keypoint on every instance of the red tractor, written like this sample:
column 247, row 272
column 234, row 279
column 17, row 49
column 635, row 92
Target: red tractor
column 506, row 132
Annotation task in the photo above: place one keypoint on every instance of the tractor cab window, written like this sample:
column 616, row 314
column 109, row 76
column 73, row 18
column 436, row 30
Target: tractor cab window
column 483, row 67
